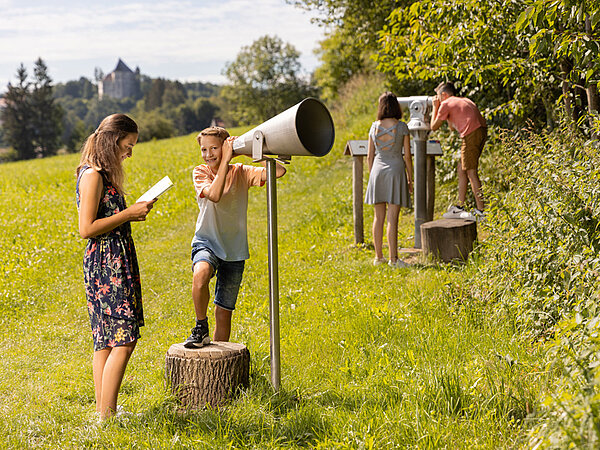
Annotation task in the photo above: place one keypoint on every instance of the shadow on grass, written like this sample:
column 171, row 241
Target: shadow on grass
column 257, row 416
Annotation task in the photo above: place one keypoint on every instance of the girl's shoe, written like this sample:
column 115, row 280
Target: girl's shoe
column 378, row 261
column 398, row 264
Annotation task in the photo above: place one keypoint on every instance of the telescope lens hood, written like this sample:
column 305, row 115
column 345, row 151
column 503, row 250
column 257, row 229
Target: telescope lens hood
column 314, row 126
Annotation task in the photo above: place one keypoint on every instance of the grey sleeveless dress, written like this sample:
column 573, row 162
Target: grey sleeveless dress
column 387, row 180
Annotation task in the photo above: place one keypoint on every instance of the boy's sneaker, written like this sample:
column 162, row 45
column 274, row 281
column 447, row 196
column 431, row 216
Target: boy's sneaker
column 478, row 214
column 199, row 337
column 454, row 212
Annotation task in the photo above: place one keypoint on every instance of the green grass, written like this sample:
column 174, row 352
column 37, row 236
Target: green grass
column 372, row 357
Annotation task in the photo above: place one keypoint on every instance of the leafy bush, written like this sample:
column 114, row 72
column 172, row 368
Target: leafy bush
column 540, row 270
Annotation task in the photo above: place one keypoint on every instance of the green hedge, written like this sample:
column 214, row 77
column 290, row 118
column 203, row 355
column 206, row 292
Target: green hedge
column 539, row 269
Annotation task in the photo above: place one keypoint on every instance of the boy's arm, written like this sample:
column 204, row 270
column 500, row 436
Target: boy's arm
column 214, row 192
column 435, row 121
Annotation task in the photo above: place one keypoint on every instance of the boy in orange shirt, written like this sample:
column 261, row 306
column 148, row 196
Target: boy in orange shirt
column 220, row 243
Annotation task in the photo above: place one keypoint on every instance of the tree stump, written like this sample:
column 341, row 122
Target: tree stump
column 448, row 239
column 209, row 375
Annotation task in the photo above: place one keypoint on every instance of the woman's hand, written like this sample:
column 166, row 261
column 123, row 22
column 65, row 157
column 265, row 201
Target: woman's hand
column 138, row 211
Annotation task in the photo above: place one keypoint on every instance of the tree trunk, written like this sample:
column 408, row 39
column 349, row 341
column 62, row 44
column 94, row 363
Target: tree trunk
column 565, row 67
column 448, row 239
column 209, row 375
column 357, row 199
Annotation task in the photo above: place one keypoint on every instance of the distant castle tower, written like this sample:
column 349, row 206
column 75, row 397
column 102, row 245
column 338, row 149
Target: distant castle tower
column 120, row 83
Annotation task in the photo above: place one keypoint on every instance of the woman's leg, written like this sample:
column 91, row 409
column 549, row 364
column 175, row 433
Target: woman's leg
column 112, row 376
column 378, row 220
column 98, row 363
column 392, row 231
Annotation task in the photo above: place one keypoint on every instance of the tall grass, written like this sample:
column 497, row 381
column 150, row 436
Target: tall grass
column 372, row 357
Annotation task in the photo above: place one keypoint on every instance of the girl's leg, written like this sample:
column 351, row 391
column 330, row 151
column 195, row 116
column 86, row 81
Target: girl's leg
column 392, row 231
column 98, row 363
column 222, row 324
column 112, row 376
column 378, row 220
column 463, row 180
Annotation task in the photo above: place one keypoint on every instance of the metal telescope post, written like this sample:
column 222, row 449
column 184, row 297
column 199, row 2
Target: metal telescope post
column 257, row 155
column 418, row 126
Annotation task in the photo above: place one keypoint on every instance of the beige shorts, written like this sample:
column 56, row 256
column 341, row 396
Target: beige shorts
column 470, row 150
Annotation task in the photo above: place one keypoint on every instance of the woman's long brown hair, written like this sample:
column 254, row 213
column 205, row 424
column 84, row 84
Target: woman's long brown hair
column 101, row 150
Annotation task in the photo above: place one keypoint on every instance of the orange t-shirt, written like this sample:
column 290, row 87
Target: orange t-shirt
column 222, row 225
column 462, row 114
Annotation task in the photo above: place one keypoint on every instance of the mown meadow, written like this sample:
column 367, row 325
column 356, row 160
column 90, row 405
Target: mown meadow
column 372, row 357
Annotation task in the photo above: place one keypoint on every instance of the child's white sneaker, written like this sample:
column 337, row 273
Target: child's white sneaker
column 479, row 215
column 454, row 212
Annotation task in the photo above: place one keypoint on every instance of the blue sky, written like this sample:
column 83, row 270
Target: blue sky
column 175, row 39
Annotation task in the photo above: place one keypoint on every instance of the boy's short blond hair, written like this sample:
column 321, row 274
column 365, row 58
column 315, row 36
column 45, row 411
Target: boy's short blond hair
column 220, row 132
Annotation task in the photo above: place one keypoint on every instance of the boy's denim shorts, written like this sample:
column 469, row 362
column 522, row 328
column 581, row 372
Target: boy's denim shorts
column 229, row 276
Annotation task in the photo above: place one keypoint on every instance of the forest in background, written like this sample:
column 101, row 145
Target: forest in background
column 524, row 62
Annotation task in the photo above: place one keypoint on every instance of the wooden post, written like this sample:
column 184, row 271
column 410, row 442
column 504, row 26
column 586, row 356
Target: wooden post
column 448, row 239
column 357, row 199
column 209, row 375
column 430, row 186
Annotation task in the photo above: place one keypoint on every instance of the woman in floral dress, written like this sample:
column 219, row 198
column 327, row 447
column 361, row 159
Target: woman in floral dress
column 110, row 266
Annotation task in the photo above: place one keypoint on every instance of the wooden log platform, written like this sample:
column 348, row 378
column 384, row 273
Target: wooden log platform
column 448, row 239
column 209, row 375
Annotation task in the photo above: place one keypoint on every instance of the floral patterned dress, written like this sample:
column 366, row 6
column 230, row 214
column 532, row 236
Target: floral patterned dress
column 112, row 277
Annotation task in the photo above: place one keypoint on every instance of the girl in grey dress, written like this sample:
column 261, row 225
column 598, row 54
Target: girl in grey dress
column 390, row 175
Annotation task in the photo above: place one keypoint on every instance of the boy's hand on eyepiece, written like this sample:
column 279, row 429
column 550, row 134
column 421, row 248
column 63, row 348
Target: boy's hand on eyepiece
column 227, row 149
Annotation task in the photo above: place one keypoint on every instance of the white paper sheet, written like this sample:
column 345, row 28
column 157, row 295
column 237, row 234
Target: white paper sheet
column 159, row 188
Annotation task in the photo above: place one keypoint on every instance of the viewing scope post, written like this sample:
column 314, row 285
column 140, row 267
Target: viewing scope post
column 305, row 129
column 419, row 127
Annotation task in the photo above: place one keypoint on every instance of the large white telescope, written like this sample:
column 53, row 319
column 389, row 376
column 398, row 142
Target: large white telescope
column 305, row 129
column 420, row 107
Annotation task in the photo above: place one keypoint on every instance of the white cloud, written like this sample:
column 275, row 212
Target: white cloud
column 148, row 34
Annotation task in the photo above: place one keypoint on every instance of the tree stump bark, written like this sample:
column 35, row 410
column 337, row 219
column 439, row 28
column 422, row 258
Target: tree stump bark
column 448, row 239
column 209, row 375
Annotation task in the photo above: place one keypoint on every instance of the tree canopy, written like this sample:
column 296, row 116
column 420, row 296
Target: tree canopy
column 265, row 79
column 517, row 54
column 31, row 119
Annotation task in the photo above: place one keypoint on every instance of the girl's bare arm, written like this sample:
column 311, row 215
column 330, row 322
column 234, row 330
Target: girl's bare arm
column 90, row 190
